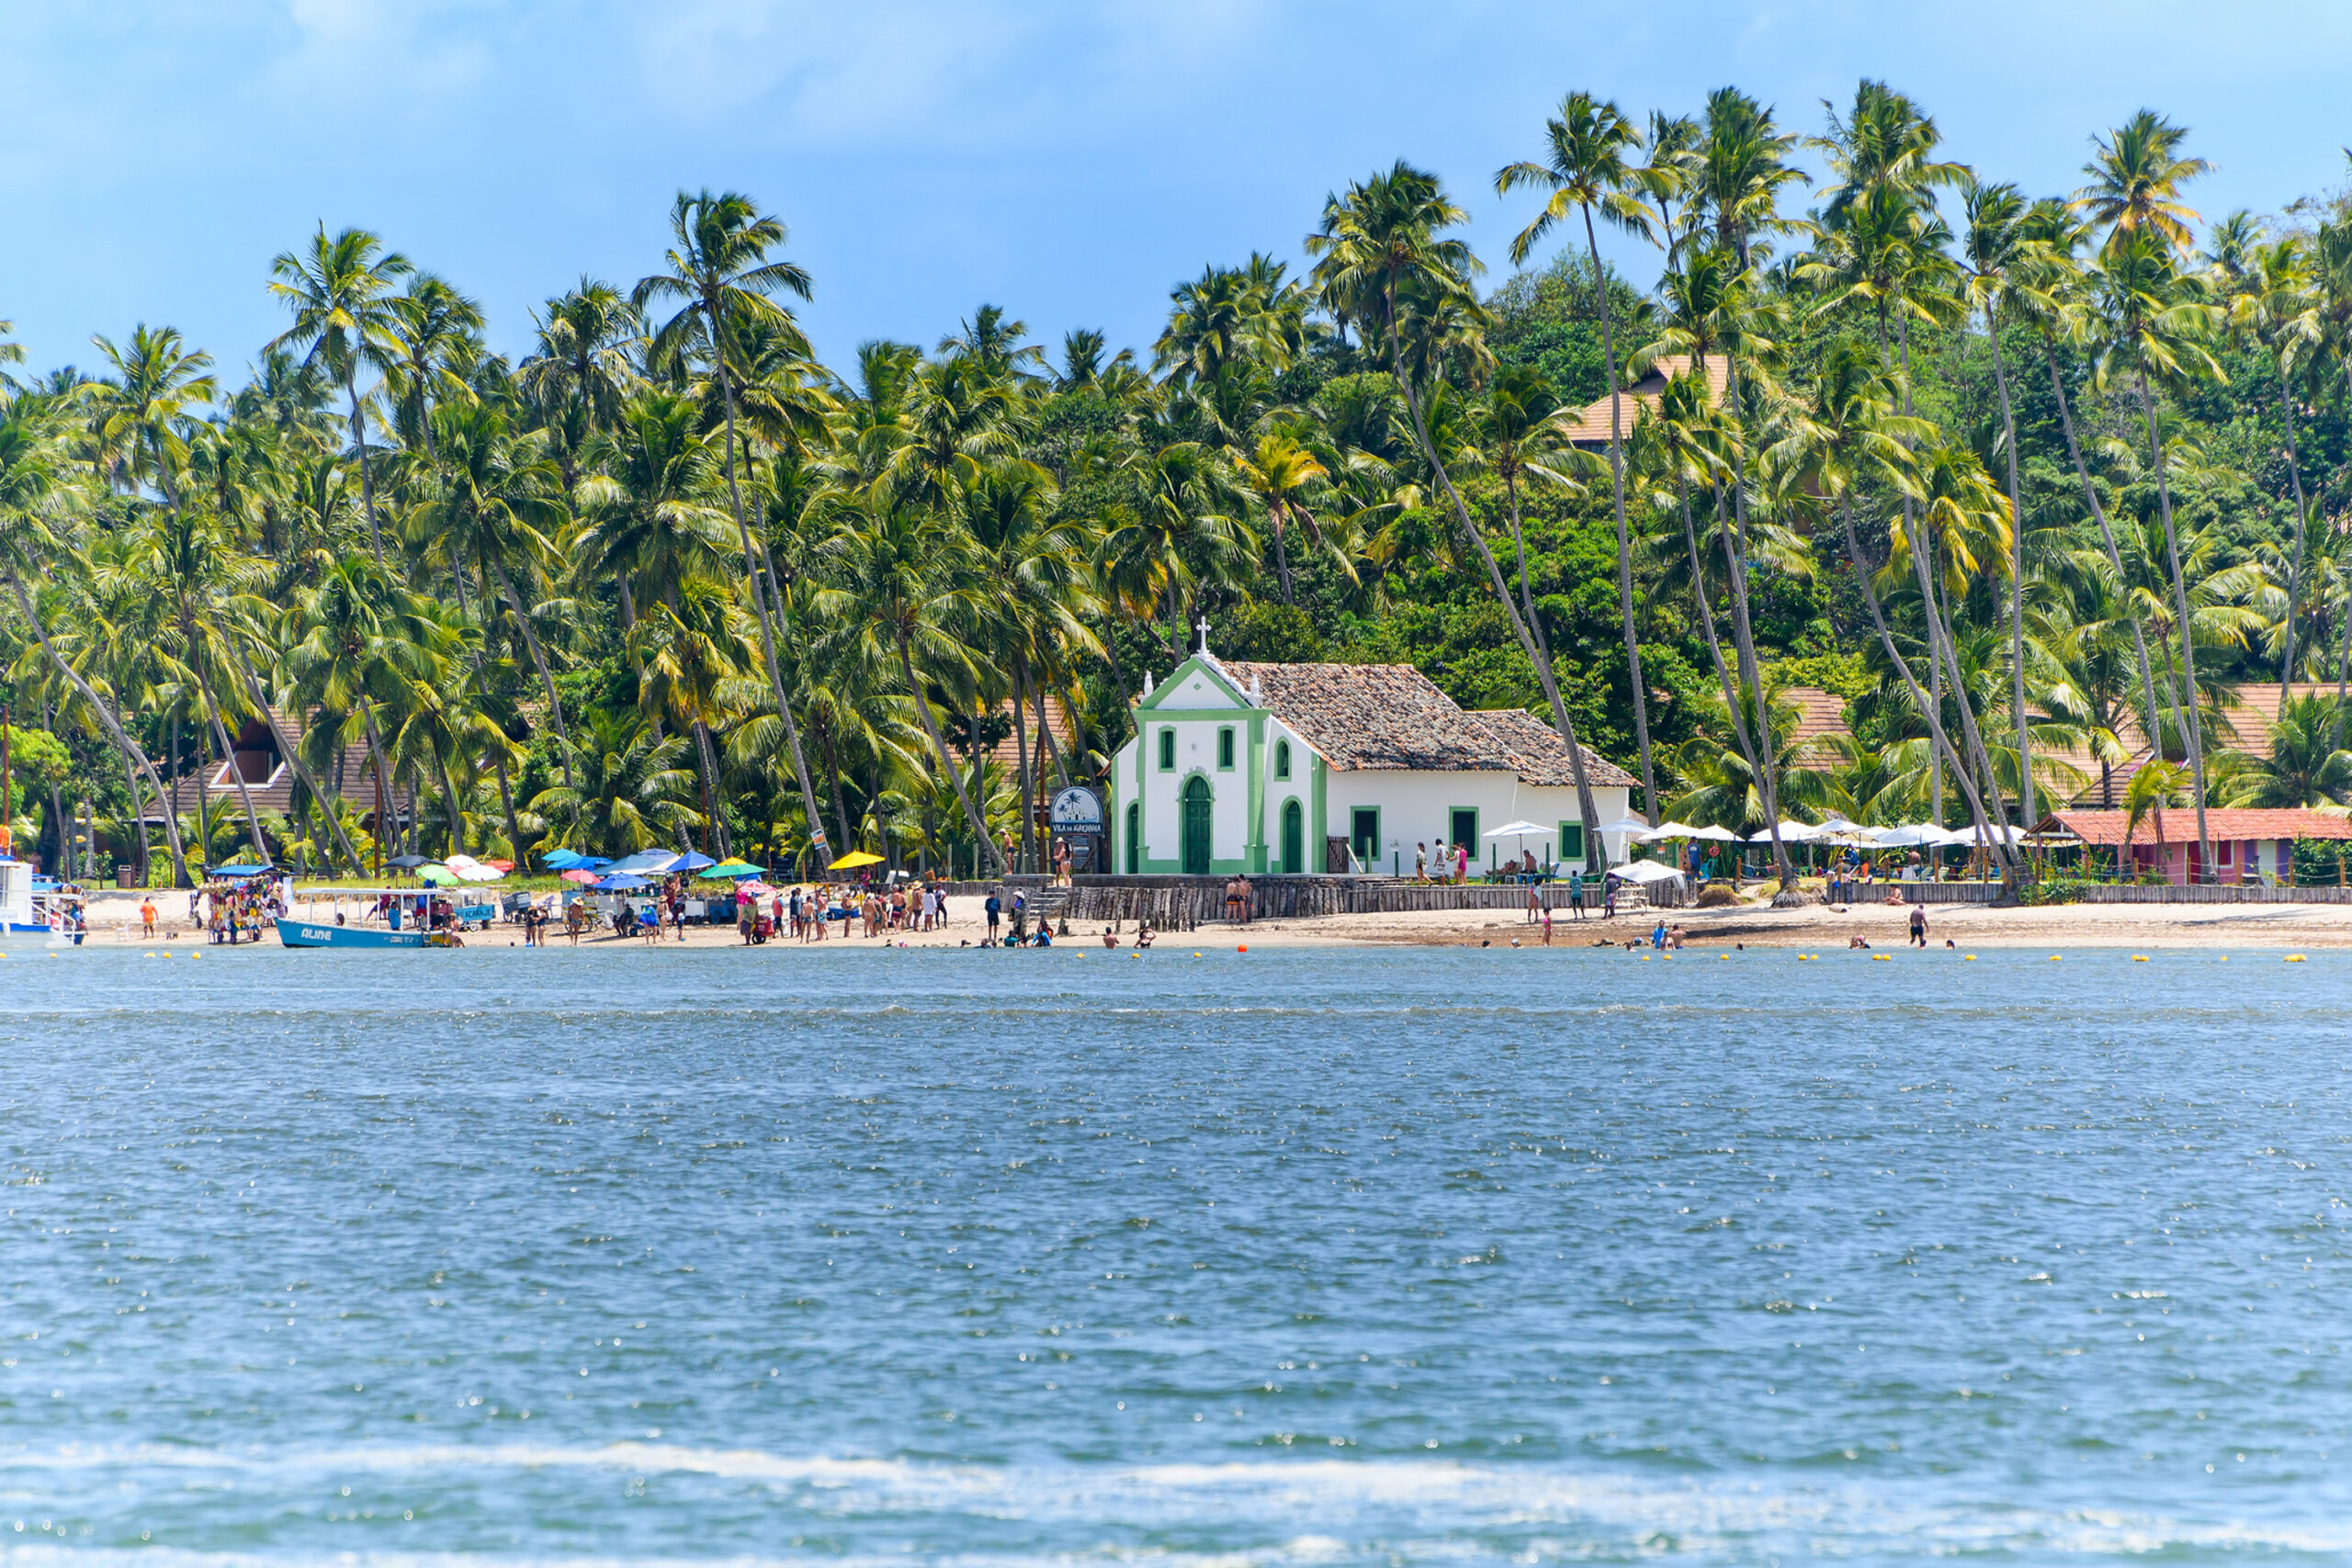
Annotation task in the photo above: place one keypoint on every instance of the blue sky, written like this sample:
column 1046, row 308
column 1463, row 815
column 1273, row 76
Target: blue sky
column 1070, row 160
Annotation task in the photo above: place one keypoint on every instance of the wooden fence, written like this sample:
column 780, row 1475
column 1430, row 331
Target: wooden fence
column 2134, row 893
column 1183, row 903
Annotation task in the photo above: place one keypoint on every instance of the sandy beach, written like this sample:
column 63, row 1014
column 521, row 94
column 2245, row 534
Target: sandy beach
column 1814, row 927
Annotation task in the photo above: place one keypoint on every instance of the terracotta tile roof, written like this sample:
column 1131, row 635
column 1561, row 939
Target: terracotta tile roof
column 2181, row 825
column 1820, row 715
column 1006, row 752
column 1393, row 716
column 1590, row 428
column 270, row 780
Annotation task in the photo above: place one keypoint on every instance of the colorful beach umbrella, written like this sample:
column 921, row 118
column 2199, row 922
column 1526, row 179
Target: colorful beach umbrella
column 623, row 883
column 735, row 868
column 576, row 874
column 437, row 876
column 854, row 859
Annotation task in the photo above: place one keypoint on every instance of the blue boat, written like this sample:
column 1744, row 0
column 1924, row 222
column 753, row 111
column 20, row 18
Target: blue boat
column 408, row 925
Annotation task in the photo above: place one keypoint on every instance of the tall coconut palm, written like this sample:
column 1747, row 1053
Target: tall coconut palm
column 2153, row 318
column 2269, row 296
column 584, row 369
column 1993, row 248
column 139, row 417
column 722, row 282
column 910, row 589
column 36, row 499
column 340, row 292
column 1283, row 477
column 1386, row 262
column 2135, row 175
column 628, row 786
column 1584, row 167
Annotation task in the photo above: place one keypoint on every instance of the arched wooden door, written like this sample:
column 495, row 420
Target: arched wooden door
column 1196, row 827
column 1294, row 838
column 1134, row 837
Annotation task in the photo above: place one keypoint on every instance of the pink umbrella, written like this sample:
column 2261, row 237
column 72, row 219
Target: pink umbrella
column 579, row 876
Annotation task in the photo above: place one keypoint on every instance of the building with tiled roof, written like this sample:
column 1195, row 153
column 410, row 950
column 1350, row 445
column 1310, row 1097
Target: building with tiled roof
column 1248, row 767
column 1590, row 427
column 2249, row 844
column 270, row 780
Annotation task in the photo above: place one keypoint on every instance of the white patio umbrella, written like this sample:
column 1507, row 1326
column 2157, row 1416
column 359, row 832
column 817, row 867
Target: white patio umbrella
column 1663, row 831
column 1635, row 825
column 1517, row 829
column 1713, row 835
column 1647, row 871
column 1911, row 836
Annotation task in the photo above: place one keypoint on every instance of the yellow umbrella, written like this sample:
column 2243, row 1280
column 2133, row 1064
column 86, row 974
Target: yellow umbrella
column 854, row 859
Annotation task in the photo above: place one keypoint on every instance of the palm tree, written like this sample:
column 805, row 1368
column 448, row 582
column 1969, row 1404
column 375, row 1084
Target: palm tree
column 1384, row 263
column 2305, row 767
column 341, row 296
column 140, row 416
column 1283, row 477
column 2153, row 318
column 496, row 503
column 2135, row 179
column 35, row 499
column 910, row 588
column 1584, row 168
column 625, row 796
column 2269, row 296
column 2156, row 785
column 723, row 283
column 583, row 371
column 1994, row 247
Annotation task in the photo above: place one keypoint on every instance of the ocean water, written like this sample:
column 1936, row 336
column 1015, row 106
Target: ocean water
column 1304, row 1256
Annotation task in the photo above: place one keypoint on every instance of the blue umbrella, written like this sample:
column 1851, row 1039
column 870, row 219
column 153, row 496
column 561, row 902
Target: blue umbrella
column 563, row 860
column 624, row 883
column 692, row 861
column 646, row 860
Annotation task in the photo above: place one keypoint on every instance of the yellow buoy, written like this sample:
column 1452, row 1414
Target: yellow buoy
column 2139, row 958
column 1968, row 958
column 2056, row 956
column 2291, row 958
column 1725, row 956
column 1882, row 958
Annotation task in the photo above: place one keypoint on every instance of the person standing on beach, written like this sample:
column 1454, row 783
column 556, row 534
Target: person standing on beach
column 1918, row 925
column 1461, row 863
column 147, row 917
column 994, row 908
column 1420, row 863
column 1576, row 899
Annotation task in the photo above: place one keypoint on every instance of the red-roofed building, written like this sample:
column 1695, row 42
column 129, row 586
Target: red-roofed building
column 2249, row 845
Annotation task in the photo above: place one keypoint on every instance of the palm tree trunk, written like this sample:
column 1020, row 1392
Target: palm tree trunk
column 1046, row 742
column 1585, row 808
column 1938, row 743
column 1743, row 636
column 387, row 804
column 707, row 757
column 1021, row 755
column 939, row 745
column 1625, row 549
column 760, row 605
column 538, row 660
column 1732, row 704
column 2114, row 557
column 367, row 475
column 2190, row 725
column 834, row 779
column 1282, row 553
column 244, row 795
column 123, row 742
column 293, row 758
column 2027, row 807
column 2295, row 563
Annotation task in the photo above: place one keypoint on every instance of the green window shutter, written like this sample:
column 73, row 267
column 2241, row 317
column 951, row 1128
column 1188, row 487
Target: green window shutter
column 1571, row 842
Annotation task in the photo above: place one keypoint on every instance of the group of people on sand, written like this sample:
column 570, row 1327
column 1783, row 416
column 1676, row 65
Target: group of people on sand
column 227, row 912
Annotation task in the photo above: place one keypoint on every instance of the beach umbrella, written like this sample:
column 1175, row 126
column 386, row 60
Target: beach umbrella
column 1663, row 831
column 576, row 874
column 1911, row 836
column 646, row 860
column 500, row 864
column 623, row 882
column 237, row 870
column 409, row 862
column 1647, row 871
column 1712, row 835
column 735, row 868
column 1517, row 829
column 437, row 876
column 693, row 862
column 563, row 860
column 854, row 859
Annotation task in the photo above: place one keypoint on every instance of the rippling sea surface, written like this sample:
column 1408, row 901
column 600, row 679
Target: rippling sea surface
column 1326, row 1257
